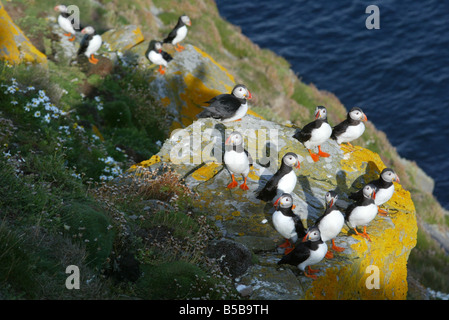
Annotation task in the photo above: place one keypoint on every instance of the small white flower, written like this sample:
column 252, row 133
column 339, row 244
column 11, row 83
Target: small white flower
column 97, row 98
column 30, row 88
column 47, row 118
column 27, row 108
column 14, row 102
column 37, row 114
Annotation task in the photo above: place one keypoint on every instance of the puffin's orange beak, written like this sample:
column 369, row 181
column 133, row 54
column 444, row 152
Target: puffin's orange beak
column 276, row 202
column 228, row 140
column 160, row 50
column 249, row 95
column 374, row 195
column 305, row 237
column 397, row 179
column 56, row 8
column 331, row 204
column 298, row 165
column 293, row 207
column 364, row 119
column 317, row 114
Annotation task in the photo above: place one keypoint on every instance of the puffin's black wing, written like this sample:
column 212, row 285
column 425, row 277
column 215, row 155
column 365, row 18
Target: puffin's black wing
column 250, row 159
column 222, row 107
column 270, row 190
column 299, row 227
column 349, row 210
column 173, row 33
column 306, row 132
column 339, row 129
column 298, row 255
column 84, row 44
column 167, row 57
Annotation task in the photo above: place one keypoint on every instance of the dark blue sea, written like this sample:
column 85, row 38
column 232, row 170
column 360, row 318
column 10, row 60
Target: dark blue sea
column 398, row 74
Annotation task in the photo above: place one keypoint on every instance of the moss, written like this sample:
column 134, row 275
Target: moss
column 173, row 280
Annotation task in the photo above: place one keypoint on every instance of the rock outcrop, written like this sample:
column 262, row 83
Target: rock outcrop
column 195, row 152
column 15, row 47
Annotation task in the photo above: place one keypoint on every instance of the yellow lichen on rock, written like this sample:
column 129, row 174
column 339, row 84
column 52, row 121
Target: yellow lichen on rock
column 385, row 256
column 206, row 172
column 15, row 47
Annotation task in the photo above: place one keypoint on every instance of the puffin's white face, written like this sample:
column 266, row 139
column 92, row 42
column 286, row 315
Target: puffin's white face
column 285, row 201
column 320, row 113
column 390, row 176
column 241, row 92
column 88, row 30
column 369, row 192
column 313, row 234
column 158, row 46
column 61, row 8
column 186, row 20
column 291, row 160
column 234, row 139
column 357, row 114
column 331, row 199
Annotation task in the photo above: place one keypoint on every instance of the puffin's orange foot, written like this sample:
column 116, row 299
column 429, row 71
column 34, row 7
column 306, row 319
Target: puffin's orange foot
column 72, row 38
column 68, row 34
column 329, row 255
column 286, row 244
column 382, row 212
column 238, row 120
column 288, row 250
column 309, row 275
column 180, row 48
column 314, row 156
column 335, row 248
column 232, row 185
column 322, row 154
column 161, row 70
column 244, row 186
column 364, row 234
column 313, row 270
column 92, row 59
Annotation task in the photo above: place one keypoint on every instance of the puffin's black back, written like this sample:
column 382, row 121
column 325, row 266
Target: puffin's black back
column 222, row 106
column 300, row 253
column 305, row 133
column 85, row 43
column 172, row 33
column 269, row 191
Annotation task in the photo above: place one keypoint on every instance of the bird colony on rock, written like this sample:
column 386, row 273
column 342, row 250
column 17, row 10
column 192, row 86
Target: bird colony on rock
column 303, row 247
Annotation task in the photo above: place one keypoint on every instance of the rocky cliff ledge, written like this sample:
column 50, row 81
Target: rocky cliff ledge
column 247, row 220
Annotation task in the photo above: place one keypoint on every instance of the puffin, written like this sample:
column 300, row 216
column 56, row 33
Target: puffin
column 90, row 44
column 288, row 224
column 315, row 133
column 362, row 212
column 331, row 222
column 283, row 181
column 155, row 55
column 384, row 189
column 237, row 159
column 65, row 23
column 310, row 251
column 228, row 107
column 178, row 33
column 351, row 128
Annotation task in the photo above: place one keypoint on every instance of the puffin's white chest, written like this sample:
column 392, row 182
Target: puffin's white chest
column 287, row 183
column 94, row 45
column 363, row 215
column 315, row 256
column 65, row 24
column 351, row 133
column 331, row 225
column 383, row 195
column 157, row 58
column 319, row 136
column 241, row 112
column 237, row 162
column 284, row 225
column 181, row 33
